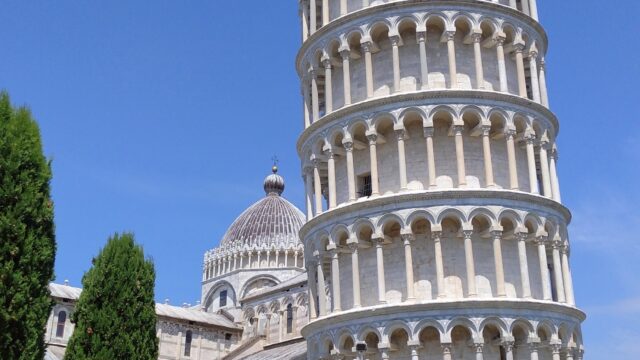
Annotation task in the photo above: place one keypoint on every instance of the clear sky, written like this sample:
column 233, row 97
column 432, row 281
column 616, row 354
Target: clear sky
column 161, row 118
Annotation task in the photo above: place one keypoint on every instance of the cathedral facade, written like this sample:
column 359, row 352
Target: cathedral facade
column 434, row 224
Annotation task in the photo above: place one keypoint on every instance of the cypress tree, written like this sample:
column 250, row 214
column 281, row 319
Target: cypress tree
column 27, row 239
column 115, row 316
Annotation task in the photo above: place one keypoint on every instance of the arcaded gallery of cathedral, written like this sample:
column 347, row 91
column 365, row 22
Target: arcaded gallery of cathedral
column 434, row 226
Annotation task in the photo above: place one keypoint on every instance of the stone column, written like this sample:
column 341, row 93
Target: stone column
column 351, row 178
column 306, row 97
column 317, row 184
column 447, row 350
column 522, row 83
column 525, row 6
column 557, row 272
column 313, row 288
column 332, row 179
column 569, row 353
column 366, row 48
column 513, row 4
column 497, row 255
column 533, row 68
column 511, row 155
column 365, row 3
column 555, row 351
column 486, row 150
column 258, row 265
column 424, row 69
column 312, row 16
column 346, row 75
column 325, row 12
column 322, row 295
column 544, row 97
column 470, row 264
column 408, row 264
column 437, row 236
column 533, row 351
column 286, row 258
column 566, row 272
column 544, row 167
column 431, row 158
column 328, row 87
column 451, row 47
column 295, row 258
column 531, row 159
column 343, row 7
column 402, row 163
column 355, row 274
column 335, row 280
column 479, row 348
column 308, row 184
column 305, row 23
column 477, row 50
column 502, row 67
column 269, row 258
column 555, row 184
column 414, row 352
column 395, row 42
column 315, row 103
column 533, row 7
column 462, row 176
column 544, row 268
column 267, row 328
column 382, row 292
column 524, row 265
column 508, row 349
column 280, row 325
column 235, row 261
column 373, row 139
column 384, row 353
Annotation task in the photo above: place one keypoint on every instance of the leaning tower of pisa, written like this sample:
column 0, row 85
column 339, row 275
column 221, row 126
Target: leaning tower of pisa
column 435, row 225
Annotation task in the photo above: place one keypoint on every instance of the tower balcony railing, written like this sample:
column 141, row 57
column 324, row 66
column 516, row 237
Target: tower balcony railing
column 316, row 14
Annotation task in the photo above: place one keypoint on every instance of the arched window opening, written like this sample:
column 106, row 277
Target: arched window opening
column 289, row 319
column 187, row 343
column 62, row 319
column 223, row 298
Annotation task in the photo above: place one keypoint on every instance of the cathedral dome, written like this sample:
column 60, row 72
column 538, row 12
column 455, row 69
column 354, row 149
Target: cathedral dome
column 270, row 221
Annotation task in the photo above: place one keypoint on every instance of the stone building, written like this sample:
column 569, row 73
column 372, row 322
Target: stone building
column 434, row 224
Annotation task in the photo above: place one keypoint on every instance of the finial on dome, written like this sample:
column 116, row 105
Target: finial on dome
column 274, row 183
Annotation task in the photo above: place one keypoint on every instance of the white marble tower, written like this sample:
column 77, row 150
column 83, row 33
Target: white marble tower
column 435, row 225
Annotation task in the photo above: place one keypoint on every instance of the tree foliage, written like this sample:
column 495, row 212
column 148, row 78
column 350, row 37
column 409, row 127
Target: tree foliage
column 27, row 239
column 115, row 316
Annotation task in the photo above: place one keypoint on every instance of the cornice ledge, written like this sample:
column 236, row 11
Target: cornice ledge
column 398, row 99
column 408, row 3
column 433, row 195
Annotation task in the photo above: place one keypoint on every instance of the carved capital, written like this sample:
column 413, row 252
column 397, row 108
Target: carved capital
column 467, row 234
column 407, row 238
column 348, row 145
column 345, row 54
column 555, row 348
column 508, row 346
column 395, row 40
column 326, row 62
column 476, row 37
column 436, row 235
column 373, row 139
column 421, row 36
column 366, row 46
column 496, row 234
column 479, row 348
column 428, row 132
column 400, row 133
column 447, row 348
column 522, row 236
column 449, row 35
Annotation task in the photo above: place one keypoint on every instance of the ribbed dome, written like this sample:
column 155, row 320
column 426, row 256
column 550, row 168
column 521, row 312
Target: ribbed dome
column 271, row 221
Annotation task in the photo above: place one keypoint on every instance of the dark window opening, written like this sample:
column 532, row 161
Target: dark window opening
column 62, row 319
column 227, row 336
column 223, row 298
column 364, row 186
column 289, row 319
column 187, row 343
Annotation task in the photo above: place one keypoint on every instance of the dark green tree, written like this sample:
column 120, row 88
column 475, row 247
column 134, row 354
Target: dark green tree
column 27, row 239
column 115, row 317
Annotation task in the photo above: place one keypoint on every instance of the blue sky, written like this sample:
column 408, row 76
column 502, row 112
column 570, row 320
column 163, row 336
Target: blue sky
column 161, row 118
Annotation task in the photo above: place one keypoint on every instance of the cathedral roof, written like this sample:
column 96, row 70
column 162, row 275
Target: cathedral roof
column 270, row 222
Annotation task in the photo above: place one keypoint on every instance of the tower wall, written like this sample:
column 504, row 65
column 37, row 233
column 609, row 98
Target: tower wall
column 429, row 159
